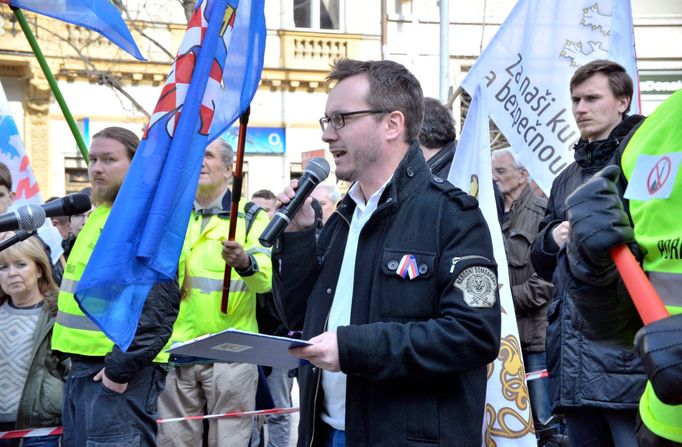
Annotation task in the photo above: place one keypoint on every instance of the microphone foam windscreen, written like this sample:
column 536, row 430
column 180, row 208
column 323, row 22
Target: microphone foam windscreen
column 30, row 216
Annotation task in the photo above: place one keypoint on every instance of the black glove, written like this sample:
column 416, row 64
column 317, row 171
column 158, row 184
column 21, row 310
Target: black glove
column 659, row 344
column 597, row 224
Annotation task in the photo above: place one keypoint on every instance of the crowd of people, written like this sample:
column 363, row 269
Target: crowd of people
column 394, row 283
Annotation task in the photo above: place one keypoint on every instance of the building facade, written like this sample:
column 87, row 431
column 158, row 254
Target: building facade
column 104, row 86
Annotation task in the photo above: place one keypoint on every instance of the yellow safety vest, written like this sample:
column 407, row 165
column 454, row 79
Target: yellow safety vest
column 657, row 223
column 201, row 270
column 74, row 332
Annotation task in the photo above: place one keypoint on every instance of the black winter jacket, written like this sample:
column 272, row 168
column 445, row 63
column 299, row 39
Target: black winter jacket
column 613, row 317
column 440, row 167
column 415, row 353
column 153, row 331
column 582, row 372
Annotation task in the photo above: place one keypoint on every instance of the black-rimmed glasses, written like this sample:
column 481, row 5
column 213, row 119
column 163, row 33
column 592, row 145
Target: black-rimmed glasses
column 338, row 119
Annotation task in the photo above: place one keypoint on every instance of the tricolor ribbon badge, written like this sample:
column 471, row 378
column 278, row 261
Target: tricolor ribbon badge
column 408, row 267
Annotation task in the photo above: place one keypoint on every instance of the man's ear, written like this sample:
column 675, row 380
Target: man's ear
column 395, row 125
column 623, row 103
column 523, row 172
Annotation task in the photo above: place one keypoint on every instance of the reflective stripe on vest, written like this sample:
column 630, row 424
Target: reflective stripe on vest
column 668, row 286
column 76, row 321
column 209, row 285
column 657, row 222
column 259, row 250
column 68, row 285
column 73, row 332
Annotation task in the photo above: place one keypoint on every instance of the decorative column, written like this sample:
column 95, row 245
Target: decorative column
column 37, row 102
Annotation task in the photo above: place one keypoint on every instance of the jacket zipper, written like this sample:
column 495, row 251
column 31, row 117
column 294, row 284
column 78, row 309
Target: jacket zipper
column 456, row 259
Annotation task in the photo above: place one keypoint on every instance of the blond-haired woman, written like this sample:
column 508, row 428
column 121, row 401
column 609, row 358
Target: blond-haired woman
column 31, row 375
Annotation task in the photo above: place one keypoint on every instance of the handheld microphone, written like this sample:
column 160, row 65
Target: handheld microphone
column 30, row 217
column 315, row 172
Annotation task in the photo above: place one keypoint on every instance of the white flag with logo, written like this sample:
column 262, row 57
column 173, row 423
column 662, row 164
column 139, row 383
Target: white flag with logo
column 24, row 184
column 508, row 420
column 527, row 67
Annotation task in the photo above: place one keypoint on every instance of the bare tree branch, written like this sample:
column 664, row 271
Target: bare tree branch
column 91, row 71
column 119, row 4
column 113, row 82
column 188, row 6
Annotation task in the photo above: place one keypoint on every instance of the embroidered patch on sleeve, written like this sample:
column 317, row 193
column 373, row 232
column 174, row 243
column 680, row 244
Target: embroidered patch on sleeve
column 478, row 285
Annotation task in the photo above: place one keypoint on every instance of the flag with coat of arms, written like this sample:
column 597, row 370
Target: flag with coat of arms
column 508, row 420
column 212, row 81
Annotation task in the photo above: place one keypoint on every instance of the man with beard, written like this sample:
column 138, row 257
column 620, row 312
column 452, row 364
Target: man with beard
column 110, row 395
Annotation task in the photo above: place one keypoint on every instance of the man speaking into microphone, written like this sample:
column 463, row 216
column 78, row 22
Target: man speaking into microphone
column 399, row 293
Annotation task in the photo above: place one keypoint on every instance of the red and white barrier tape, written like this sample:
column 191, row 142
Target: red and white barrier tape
column 535, row 375
column 230, row 415
column 34, row 432
column 30, row 433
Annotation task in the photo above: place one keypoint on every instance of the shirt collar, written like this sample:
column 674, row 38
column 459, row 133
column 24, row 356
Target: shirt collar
column 217, row 204
column 355, row 193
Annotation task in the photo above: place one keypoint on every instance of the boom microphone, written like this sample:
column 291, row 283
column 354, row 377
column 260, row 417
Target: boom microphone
column 315, row 172
column 68, row 205
column 30, row 217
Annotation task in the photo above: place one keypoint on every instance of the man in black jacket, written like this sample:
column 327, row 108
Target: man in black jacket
column 638, row 206
column 596, row 386
column 403, row 321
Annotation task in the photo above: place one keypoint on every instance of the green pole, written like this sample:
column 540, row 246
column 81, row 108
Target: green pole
column 51, row 80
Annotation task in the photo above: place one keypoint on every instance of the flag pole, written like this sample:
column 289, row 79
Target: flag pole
column 236, row 194
column 21, row 18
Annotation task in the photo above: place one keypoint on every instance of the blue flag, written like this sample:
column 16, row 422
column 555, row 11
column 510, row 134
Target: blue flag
column 97, row 15
column 212, row 81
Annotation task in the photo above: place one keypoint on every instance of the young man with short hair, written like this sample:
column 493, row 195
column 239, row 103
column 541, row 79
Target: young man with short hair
column 603, row 413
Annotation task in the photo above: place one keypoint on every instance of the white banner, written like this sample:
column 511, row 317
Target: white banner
column 527, row 67
column 24, row 184
column 508, row 419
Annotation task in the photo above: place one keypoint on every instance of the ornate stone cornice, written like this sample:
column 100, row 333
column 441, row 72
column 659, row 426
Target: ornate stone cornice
column 78, row 54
